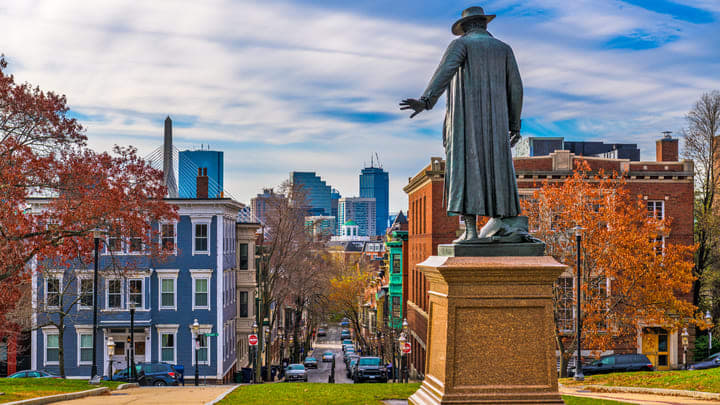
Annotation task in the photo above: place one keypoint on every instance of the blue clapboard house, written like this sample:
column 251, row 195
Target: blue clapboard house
column 197, row 281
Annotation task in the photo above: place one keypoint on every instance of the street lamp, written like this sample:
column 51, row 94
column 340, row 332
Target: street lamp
column 578, row 321
column 401, row 342
column 196, row 335
column 94, row 377
column 685, row 336
column 708, row 319
column 254, row 351
column 133, row 372
column 111, row 351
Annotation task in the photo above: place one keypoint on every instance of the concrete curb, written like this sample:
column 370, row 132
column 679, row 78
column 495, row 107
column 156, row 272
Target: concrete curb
column 127, row 386
column 61, row 397
column 223, row 395
column 653, row 391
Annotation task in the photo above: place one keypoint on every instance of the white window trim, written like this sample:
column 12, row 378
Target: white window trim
column 160, row 236
column 142, row 293
column 59, row 276
column 107, row 294
column 201, row 274
column 166, row 274
column 200, row 221
column 49, row 330
column 662, row 207
column 168, row 329
column 204, row 328
column 82, row 330
column 80, row 276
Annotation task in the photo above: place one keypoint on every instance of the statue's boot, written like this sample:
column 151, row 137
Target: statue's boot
column 470, row 229
column 493, row 226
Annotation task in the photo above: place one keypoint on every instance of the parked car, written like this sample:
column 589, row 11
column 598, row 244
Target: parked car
column 347, row 342
column 345, row 334
column 349, row 351
column 347, row 347
column 33, row 374
column 369, row 369
column 328, row 357
column 321, row 332
column 156, row 374
column 615, row 363
column 310, row 362
column 345, row 323
column 710, row 362
column 351, row 366
column 296, row 372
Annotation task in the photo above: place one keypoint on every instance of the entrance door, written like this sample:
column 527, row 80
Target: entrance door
column 3, row 358
column 655, row 347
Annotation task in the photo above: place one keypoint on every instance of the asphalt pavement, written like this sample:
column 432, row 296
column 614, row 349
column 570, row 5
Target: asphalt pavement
column 331, row 343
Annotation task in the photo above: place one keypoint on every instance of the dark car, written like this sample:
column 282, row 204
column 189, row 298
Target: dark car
column 369, row 369
column 711, row 362
column 349, row 357
column 616, row 363
column 296, row 372
column 345, row 334
column 310, row 362
column 351, row 366
column 157, row 374
column 33, row 374
column 321, row 332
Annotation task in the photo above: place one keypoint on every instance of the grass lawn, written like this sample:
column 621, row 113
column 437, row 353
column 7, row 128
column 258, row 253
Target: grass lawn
column 365, row 394
column 693, row 380
column 16, row 389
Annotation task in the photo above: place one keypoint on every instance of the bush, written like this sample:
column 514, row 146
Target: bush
column 701, row 347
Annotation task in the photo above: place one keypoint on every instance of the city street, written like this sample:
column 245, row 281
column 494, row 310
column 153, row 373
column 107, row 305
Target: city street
column 331, row 342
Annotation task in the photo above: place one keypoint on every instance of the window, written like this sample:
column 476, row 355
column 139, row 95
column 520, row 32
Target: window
column 656, row 209
column 86, row 292
column 167, row 237
column 201, row 237
column 167, row 293
column 396, row 307
column 52, row 348
column 201, row 292
column 114, row 294
column 659, row 243
column 243, row 304
column 114, row 243
column 52, row 292
column 135, row 293
column 85, row 348
column 397, row 264
column 135, row 245
column 203, row 351
column 167, row 347
column 564, row 299
column 244, row 258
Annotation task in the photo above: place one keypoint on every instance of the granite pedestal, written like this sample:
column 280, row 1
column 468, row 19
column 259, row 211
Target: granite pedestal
column 490, row 330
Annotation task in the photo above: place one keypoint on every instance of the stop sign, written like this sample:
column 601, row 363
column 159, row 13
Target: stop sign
column 252, row 339
column 407, row 348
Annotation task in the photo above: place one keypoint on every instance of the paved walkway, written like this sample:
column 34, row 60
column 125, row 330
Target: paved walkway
column 635, row 398
column 156, row 395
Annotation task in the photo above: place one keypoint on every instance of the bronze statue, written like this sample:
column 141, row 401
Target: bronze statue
column 482, row 123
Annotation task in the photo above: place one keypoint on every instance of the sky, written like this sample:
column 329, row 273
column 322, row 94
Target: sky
column 314, row 85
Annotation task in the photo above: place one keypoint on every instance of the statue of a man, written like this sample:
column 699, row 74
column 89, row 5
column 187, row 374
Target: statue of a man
column 482, row 123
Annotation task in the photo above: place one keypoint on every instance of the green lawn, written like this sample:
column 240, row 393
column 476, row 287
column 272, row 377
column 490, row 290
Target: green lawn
column 321, row 394
column 16, row 389
column 693, row 380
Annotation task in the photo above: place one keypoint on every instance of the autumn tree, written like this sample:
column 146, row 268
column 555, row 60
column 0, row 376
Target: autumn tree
column 702, row 146
column 54, row 190
column 629, row 276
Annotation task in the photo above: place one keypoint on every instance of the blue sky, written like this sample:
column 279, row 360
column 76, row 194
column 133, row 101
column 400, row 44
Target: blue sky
column 314, row 85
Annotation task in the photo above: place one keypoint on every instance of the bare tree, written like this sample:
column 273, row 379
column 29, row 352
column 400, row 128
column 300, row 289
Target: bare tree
column 702, row 146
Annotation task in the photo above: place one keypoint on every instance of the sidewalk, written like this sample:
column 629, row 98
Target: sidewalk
column 634, row 398
column 156, row 395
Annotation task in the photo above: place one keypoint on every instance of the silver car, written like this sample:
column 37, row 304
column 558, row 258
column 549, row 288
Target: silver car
column 296, row 372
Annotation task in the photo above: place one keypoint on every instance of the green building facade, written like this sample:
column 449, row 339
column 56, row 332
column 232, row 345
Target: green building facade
column 395, row 286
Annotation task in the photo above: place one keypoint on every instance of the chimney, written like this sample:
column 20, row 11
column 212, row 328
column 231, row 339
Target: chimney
column 168, row 171
column 666, row 149
column 202, row 183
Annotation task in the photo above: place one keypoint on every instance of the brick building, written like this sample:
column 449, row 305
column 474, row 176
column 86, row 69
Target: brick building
column 666, row 184
column 428, row 226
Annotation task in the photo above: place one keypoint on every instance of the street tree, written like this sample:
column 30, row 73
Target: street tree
column 348, row 288
column 630, row 276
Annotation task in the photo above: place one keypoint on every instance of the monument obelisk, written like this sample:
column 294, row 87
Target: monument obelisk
column 490, row 328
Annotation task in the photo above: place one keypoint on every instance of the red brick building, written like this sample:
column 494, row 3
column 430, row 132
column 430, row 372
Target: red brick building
column 666, row 184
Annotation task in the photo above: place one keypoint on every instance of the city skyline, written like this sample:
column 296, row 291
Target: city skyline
column 319, row 91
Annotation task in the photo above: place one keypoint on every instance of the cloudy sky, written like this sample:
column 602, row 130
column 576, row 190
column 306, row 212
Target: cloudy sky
column 314, row 85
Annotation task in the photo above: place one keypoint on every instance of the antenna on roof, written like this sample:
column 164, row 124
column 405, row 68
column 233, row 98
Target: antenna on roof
column 668, row 134
column 377, row 157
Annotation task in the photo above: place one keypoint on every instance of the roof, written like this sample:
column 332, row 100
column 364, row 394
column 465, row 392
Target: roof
column 351, row 223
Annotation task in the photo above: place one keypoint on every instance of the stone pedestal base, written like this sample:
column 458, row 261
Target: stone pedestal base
column 490, row 331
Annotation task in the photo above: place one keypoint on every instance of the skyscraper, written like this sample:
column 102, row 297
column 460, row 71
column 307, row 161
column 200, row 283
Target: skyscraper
column 362, row 211
column 374, row 183
column 317, row 192
column 190, row 162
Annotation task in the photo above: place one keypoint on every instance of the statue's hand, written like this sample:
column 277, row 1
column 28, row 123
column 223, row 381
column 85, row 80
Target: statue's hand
column 514, row 137
column 412, row 104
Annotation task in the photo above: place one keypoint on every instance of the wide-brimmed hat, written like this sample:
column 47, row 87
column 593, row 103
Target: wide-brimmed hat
column 470, row 14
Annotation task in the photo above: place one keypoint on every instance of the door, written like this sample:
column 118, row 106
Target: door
column 3, row 358
column 655, row 347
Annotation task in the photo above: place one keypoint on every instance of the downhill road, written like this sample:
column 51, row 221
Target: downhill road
column 330, row 343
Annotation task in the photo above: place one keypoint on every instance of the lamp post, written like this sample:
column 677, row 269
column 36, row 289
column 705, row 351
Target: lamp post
column 254, row 352
column 401, row 343
column 266, row 327
column 196, row 335
column 292, row 349
column 708, row 319
column 578, row 321
column 94, row 378
column 133, row 372
column 685, row 335
column 111, row 351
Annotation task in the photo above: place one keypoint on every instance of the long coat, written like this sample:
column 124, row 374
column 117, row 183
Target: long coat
column 484, row 101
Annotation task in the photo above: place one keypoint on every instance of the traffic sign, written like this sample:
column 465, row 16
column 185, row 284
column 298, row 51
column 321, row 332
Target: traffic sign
column 407, row 348
column 253, row 340
column 211, row 334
